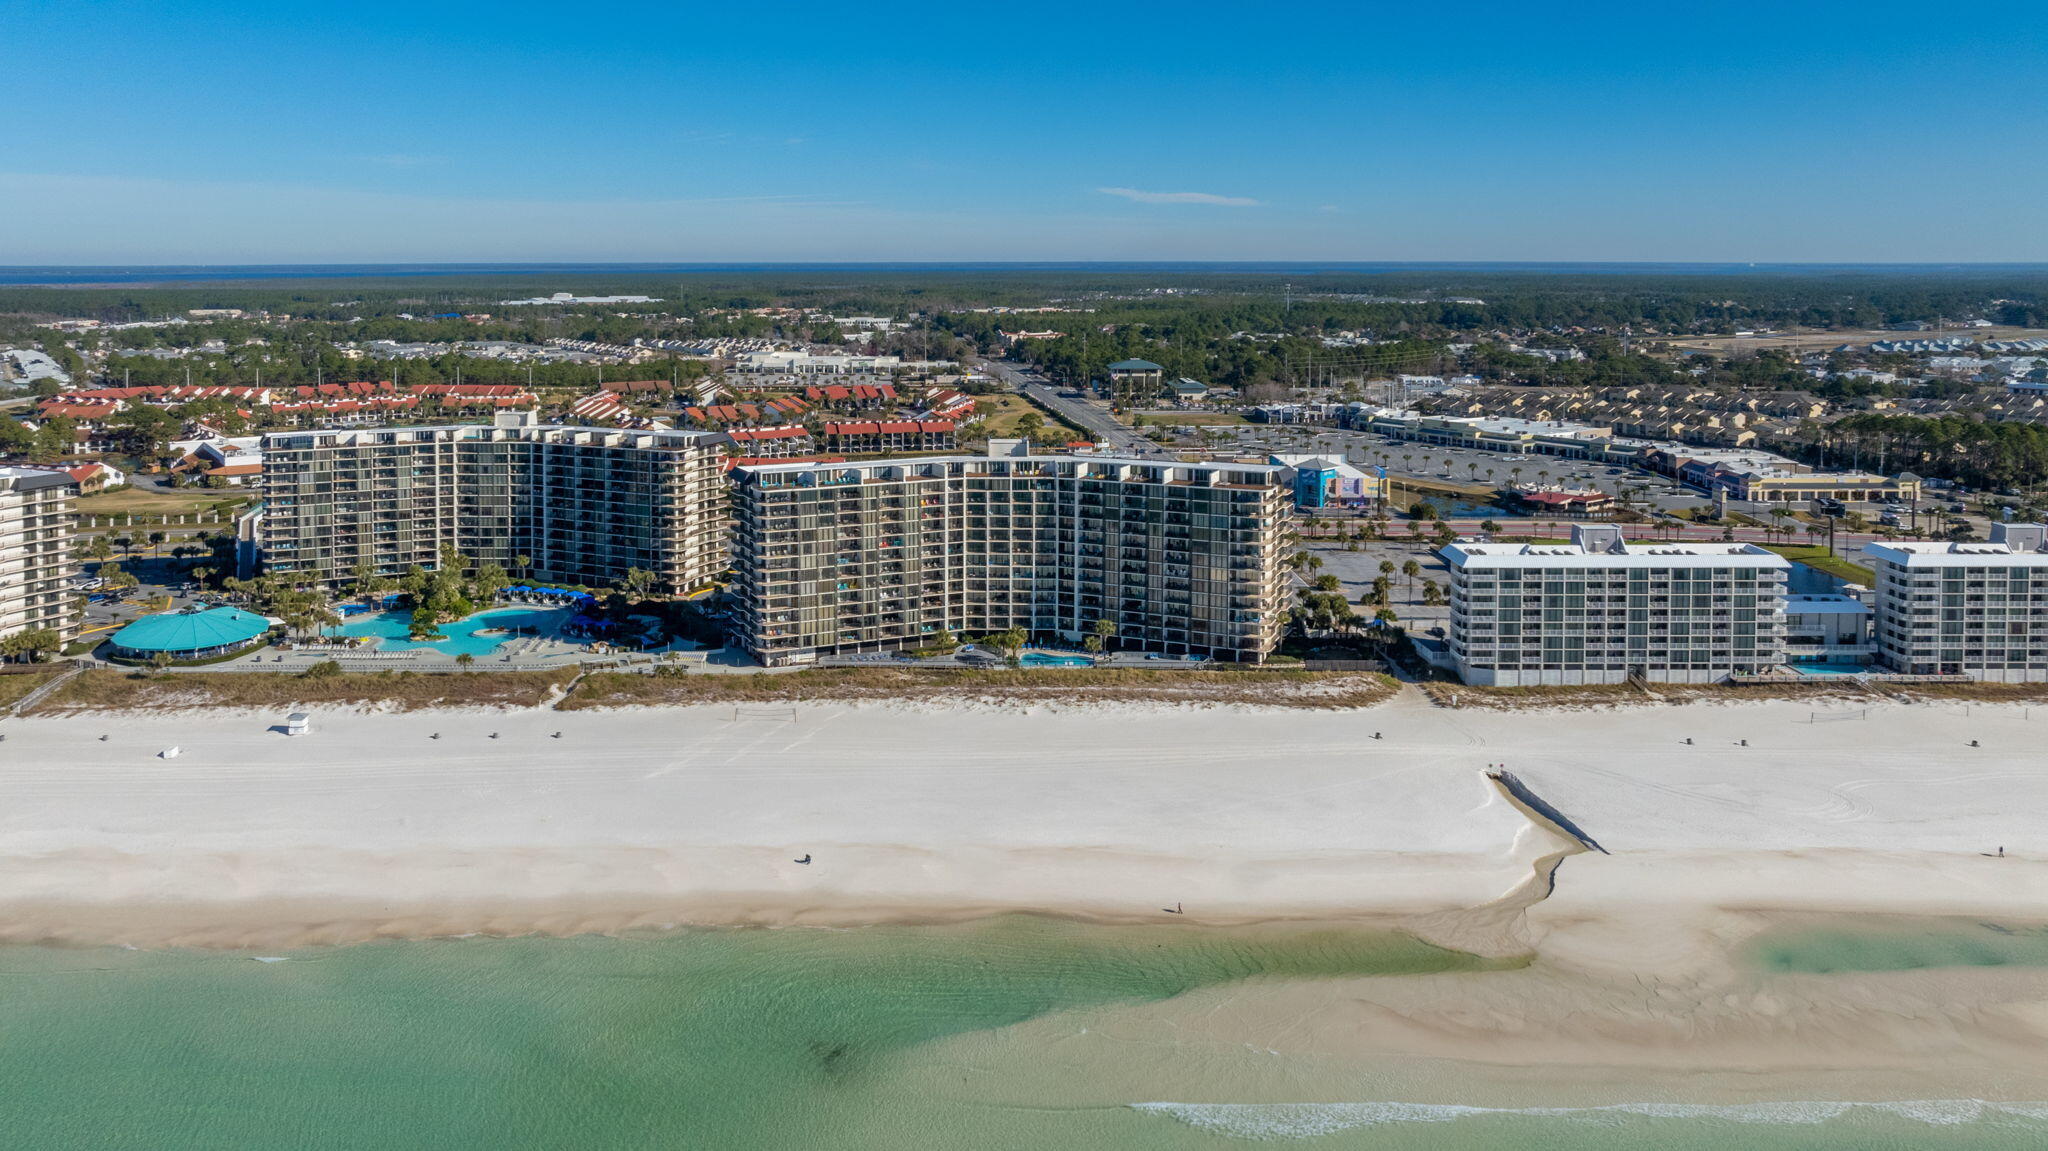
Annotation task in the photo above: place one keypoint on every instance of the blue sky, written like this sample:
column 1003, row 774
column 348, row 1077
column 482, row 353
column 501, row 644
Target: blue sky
column 285, row 132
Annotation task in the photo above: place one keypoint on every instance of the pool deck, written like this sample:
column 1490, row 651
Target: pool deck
column 523, row 653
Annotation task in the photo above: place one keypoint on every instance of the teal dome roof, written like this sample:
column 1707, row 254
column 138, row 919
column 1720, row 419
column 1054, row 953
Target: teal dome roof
column 1135, row 366
column 178, row 631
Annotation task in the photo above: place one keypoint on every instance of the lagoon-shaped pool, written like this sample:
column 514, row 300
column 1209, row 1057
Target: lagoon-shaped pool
column 392, row 629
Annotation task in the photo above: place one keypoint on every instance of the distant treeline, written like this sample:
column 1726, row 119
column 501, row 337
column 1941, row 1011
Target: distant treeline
column 1514, row 299
column 1982, row 453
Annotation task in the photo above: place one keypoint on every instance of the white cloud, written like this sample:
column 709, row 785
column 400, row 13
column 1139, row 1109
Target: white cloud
column 1144, row 197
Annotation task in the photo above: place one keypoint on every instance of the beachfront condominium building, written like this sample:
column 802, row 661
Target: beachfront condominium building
column 1181, row 559
column 1975, row 609
column 547, row 502
column 1600, row 610
column 37, row 514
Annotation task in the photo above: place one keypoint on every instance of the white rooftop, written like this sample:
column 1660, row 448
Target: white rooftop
column 1602, row 545
column 1470, row 555
column 2023, row 545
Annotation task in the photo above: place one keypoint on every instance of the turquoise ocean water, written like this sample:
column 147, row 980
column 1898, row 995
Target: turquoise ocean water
column 871, row 1038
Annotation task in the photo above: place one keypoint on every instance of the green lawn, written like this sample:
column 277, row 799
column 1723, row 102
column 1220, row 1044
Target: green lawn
column 160, row 501
column 1817, row 557
column 1005, row 412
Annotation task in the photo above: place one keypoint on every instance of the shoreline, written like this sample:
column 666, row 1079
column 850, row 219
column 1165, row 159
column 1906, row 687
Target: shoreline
column 1641, row 974
column 486, row 820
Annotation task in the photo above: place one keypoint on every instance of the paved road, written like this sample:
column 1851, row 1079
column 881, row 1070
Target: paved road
column 1846, row 543
column 1091, row 417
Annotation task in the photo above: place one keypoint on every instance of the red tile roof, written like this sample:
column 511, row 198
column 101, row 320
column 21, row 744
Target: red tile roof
column 748, row 461
column 475, row 391
column 886, row 427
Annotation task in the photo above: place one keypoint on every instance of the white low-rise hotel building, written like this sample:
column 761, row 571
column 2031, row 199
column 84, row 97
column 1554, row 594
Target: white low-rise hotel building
column 1976, row 609
column 1601, row 610
column 1827, row 632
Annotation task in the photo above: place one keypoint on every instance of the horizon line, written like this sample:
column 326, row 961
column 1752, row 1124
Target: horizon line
column 999, row 262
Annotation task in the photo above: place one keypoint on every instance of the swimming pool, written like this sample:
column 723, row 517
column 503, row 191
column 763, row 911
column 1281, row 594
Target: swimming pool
column 1047, row 659
column 1831, row 668
column 392, row 629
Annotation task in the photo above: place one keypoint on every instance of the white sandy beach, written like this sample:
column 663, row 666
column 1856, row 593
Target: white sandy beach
column 370, row 827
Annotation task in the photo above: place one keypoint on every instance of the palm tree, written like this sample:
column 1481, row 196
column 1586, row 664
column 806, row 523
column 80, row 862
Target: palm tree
column 1411, row 569
column 1103, row 632
column 1011, row 643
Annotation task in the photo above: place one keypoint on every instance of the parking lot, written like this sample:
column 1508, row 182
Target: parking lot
column 1405, row 458
column 1356, row 571
column 164, row 580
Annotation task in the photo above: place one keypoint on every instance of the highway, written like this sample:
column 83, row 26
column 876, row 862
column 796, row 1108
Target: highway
column 1092, row 418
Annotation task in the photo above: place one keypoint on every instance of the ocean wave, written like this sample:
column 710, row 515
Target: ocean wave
column 1308, row 1120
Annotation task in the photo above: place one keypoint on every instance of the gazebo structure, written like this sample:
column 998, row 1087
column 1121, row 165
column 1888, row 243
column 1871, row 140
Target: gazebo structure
column 190, row 635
